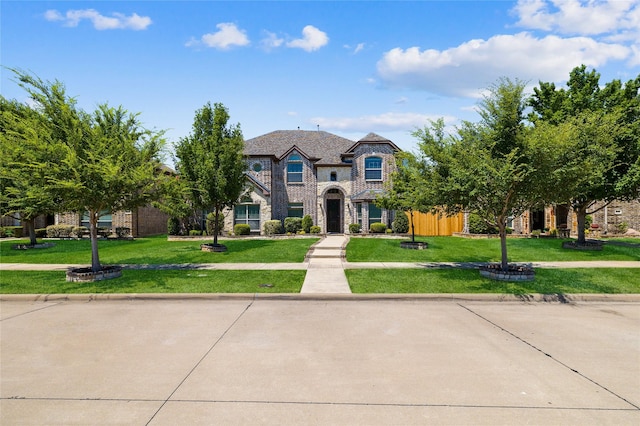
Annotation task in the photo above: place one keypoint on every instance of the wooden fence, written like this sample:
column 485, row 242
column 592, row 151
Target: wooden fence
column 430, row 225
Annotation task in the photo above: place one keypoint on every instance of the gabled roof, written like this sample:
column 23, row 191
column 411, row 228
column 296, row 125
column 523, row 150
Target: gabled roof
column 257, row 183
column 316, row 145
column 373, row 138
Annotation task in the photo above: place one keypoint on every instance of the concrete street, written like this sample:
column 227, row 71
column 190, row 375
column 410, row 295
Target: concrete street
column 313, row 360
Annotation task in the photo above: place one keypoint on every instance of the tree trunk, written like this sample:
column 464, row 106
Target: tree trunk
column 216, row 227
column 413, row 229
column 93, row 232
column 581, row 214
column 502, row 231
column 31, row 230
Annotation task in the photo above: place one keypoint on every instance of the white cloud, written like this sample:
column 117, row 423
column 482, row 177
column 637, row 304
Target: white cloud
column 117, row 21
column 579, row 16
column 228, row 36
column 466, row 69
column 271, row 41
column 312, row 39
column 390, row 121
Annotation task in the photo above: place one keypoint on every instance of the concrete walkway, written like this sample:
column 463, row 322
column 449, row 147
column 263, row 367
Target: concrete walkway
column 325, row 272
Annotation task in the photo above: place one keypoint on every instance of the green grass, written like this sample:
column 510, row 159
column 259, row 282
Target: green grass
column 547, row 281
column 456, row 249
column 152, row 281
column 157, row 250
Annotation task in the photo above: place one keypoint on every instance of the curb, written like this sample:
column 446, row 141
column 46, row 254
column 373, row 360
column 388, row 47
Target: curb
column 430, row 297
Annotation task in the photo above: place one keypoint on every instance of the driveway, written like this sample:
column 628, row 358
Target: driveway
column 314, row 361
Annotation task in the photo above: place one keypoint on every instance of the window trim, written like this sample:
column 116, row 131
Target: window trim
column 245, row 218
column 298, row 207
column 368, row 168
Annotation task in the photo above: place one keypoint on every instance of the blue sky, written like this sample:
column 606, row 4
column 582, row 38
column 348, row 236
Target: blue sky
column 349, row 67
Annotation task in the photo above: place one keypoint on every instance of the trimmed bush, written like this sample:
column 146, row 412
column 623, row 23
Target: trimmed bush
column 242, row 229
column 307, row 223
column 355, row 228
column 292, row 224
column 479, row 226
column 211, row 220
column 272, row 227
column 79, row 231
column 41, row 232
column 123, row 232
column 14, row 231
column 315, row 229
column 195, row 232
column 400, row 224
column 4, row 232
column 378, row 228
column 173, row 226
column 59, row 231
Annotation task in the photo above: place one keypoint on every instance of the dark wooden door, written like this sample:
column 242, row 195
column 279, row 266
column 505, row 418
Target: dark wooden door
column 333, row 216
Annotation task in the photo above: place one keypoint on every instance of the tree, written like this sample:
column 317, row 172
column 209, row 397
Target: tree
column 601, row 156
column 107, row 162
column 26, row 155
column 490, row 168
column 211, row 162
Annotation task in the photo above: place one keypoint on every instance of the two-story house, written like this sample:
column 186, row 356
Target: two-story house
column 293, row 173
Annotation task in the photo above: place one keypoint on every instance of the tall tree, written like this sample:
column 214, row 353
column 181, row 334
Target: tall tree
column 488, row 167
column 108, row 161
column 211, row 161
column 601, row 159
column 26, row 158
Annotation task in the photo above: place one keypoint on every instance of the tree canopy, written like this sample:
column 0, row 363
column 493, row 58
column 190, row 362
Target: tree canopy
column 212, row 163
column 600, row 152
column 105, row 161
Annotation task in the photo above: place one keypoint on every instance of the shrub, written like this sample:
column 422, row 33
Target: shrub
column 378, row 228
column 588, row 220
column 211, row 220
column 14, row 231
column 242, row 229
column 553, row 232
column 400, row 224
column 195, row 232
column 41, row 232
column 79, row 231
column 315, row 229
column 173, row 226
column 59, row 231
column 292, row 224
column 272, row 227
column 123, row 232
column 307, row 223
column 622, row 227
column 479, row 226
column 4, row 232
column 355, row 228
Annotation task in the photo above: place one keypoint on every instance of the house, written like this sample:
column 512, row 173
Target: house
column 293, row 173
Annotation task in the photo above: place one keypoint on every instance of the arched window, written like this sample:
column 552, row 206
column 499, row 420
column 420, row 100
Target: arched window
column 294, row 168
column 373, row 168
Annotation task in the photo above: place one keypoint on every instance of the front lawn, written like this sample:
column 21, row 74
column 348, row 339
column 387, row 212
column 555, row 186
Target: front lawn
column 547, row 281
column 457, row 249
column 157, row 250
column 153, row 281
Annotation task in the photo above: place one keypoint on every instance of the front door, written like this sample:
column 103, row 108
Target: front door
column 333, row 216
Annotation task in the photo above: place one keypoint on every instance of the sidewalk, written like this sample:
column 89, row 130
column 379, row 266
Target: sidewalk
column 325, row 273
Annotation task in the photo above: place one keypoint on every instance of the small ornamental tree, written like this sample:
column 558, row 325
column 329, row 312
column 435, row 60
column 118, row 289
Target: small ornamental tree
column 600, row 152
column 27, row 156
column 107, row 162
column 211, row 162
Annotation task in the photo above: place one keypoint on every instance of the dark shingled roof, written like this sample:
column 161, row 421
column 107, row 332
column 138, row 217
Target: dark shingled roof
column 317, row 145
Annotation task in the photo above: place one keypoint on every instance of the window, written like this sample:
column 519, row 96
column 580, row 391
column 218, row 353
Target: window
column 257, row 167
column 375, row 214
column 359, row 213
column 295, row 210
column 104, row 221
column 247, row 214
column 333, row 177
column 373, row 168
column 294, row 168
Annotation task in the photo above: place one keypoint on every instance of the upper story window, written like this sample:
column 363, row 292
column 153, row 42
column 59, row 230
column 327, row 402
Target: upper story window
column 333, row 177
column 373, row 168
column 294, row 168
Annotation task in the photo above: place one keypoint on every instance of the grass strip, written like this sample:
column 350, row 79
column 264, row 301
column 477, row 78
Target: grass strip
column 153, row 281
column 547, row 281
column 457, row 249
column 158, row 250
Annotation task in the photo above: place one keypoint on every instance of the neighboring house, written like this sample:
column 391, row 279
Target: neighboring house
column 293, row 173
column 143, row 221
column 608, row 220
